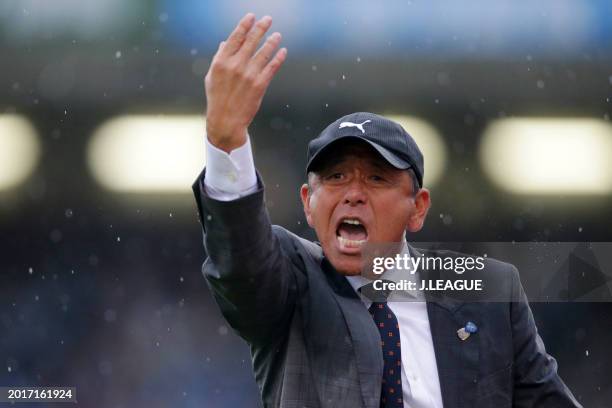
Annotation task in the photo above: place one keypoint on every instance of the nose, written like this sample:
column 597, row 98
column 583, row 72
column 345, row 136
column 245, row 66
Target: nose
column 355, row 193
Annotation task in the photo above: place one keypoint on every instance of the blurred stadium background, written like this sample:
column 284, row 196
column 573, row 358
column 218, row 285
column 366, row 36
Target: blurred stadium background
column 101, row 135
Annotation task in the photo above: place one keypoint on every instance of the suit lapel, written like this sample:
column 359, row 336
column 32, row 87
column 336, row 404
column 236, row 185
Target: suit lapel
column 457, row 360
column 364, row 336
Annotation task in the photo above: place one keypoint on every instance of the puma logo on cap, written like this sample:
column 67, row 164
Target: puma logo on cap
column 357, row 125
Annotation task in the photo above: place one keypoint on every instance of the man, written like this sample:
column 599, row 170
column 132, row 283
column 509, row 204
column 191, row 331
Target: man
column 316, row 339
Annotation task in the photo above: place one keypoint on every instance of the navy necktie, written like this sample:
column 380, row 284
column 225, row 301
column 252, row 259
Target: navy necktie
column 391, row 393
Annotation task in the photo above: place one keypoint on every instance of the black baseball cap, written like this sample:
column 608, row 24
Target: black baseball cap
column 389, row 139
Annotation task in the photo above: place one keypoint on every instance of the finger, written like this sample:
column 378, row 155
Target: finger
column 266, row 51
column 219, row 50
column 254, row 37
column 274, row 65
column 238, row 36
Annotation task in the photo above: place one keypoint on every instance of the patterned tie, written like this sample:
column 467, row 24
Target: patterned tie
column 391, row 392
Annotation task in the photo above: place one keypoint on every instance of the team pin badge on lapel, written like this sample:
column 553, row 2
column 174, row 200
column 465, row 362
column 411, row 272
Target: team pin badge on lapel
column 465, row 332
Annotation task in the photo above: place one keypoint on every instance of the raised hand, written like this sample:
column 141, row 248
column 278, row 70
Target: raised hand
column 237, row 80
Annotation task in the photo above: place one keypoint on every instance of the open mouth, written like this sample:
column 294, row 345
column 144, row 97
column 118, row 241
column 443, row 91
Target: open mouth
column 351, row 233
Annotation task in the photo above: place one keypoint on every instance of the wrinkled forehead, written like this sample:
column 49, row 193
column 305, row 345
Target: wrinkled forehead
column 349, row 150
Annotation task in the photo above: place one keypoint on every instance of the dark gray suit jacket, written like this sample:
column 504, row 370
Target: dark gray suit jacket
column 314, row 344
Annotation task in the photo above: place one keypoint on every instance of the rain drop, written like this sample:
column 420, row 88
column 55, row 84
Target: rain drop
column 110, row 315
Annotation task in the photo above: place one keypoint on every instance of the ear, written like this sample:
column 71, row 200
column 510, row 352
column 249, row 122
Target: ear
column 304, row 194
column 422, row 202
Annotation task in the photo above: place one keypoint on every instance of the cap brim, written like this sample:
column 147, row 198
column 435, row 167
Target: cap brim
column 390, row 157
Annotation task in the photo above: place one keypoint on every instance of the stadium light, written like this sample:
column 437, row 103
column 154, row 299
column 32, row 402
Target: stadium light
column 19, row 150
column 431, row 144
column 148, row 154
column 549, row 156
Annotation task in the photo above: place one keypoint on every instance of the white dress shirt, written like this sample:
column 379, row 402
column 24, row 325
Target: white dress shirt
column 231, row 176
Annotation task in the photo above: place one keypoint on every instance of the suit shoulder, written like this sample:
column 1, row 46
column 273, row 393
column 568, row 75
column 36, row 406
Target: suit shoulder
column 294, row 243
column 491, row 265
column 500, row 279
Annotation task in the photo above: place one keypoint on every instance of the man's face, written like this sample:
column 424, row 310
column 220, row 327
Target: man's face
column 357, row 197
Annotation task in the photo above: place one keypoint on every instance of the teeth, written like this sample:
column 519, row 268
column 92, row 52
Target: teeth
column 351, row 221
column 351, row 243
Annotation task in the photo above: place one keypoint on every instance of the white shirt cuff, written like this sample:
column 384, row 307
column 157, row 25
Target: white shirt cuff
column 230, row 176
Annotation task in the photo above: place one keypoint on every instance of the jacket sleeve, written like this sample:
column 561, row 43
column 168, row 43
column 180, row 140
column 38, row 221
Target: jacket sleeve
column 252, row 280
column 536, row 382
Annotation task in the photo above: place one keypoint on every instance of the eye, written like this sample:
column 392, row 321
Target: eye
column 335, row 176
column 377, row 178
